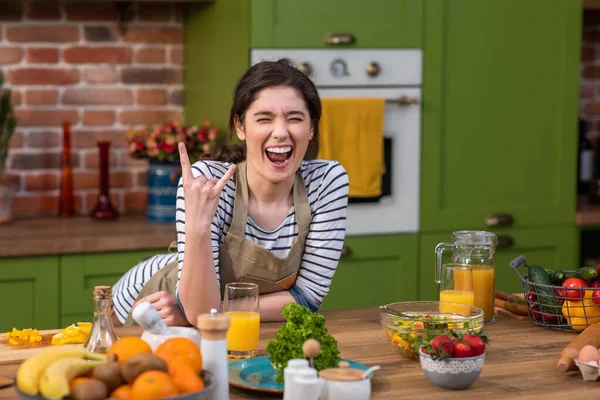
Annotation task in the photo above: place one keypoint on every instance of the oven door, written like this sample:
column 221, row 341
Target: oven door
column 397, row 210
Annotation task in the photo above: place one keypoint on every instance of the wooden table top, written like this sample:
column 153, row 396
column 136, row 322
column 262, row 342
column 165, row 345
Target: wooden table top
column 50, row 236
column 520, row 362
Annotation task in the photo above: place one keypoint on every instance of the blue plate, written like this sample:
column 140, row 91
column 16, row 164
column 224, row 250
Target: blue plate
column 257, row 374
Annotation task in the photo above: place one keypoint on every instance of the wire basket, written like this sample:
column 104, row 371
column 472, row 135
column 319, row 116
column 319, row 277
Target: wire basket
column 551, row 308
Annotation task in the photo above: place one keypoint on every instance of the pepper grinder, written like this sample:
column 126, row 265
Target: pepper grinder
column 213, row 329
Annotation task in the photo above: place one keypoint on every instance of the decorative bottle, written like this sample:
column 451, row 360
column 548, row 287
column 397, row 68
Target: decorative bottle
column 103, row 333
column 66, row 207
column 104, row 208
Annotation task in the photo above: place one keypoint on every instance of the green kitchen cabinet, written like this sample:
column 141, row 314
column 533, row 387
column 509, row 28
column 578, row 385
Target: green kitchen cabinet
column 29, row 292
column 375, row 270
column 553, row 248
column 306, row 23
column 500, row 108
column 81, row 272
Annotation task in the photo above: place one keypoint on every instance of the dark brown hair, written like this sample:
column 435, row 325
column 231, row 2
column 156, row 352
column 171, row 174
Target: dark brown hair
column 263, row 75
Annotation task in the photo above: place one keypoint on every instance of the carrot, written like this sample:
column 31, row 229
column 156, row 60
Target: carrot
column 590, row 335
column 502, row 295
column 515, row 308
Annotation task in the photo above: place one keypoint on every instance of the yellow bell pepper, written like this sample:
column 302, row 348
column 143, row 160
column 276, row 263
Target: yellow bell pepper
column 581, row 313
column 73, row 334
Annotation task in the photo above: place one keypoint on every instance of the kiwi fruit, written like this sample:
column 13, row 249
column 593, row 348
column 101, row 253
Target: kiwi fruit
column 110, row 374
column 91, row 389
column 142, row 362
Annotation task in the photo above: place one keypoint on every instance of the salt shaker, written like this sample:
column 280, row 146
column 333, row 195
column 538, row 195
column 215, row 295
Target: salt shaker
column 305, row 385
column 148, row 318
column 213, row 329
column 293, row 365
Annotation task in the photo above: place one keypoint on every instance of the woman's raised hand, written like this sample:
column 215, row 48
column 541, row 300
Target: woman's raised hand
column 201, row 194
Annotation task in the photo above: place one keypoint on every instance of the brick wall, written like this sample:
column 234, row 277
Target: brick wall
column 69, row 61
column 589, row 90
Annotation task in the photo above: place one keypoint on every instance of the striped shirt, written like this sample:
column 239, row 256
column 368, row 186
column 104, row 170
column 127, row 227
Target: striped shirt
column 327, row 189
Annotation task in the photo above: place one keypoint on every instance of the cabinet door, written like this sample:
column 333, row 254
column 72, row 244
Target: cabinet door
column 29, row 293
column 306, row 23
column 500, row 106
column 377, row 270
column 554, row 248
column 81, row 272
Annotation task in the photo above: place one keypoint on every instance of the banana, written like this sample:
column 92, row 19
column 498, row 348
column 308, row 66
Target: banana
column 30, row 372
column 54, row 383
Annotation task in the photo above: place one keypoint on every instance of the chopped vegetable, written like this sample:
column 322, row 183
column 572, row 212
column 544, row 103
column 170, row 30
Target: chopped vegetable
column 302, row 324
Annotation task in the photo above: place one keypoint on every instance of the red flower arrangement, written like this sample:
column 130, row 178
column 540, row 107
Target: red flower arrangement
column 160, row 143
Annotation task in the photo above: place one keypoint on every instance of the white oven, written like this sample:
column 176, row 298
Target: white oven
column 392, row 74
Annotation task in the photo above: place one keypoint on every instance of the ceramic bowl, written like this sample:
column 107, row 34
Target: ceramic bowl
column 155, row 340
column 424, row 320
column 452, row 373
column 205, row 394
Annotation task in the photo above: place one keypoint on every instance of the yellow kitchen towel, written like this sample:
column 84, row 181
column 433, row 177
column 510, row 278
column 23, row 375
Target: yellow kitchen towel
column 351, row 132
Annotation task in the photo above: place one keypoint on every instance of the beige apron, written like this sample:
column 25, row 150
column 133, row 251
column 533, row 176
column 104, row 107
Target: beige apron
column 240, row 260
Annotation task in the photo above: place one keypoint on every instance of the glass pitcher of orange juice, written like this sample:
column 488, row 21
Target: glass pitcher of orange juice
column 474, row 249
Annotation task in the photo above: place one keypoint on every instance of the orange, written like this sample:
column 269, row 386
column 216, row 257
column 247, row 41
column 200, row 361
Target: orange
column 180, row 347
column 185, row 377
column 77, row 381
column 153, row 384
column 123, row 392
column 127, row 346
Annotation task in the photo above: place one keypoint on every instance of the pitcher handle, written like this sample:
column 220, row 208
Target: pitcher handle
column 439, row 249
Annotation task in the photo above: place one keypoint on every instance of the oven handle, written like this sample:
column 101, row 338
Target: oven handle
column 346, row 251
column 339, row 38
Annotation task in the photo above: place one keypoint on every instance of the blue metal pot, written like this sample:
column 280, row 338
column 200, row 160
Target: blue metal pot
column 162, row 191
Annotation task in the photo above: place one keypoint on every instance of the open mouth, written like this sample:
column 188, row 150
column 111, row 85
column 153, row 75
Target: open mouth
column 279, row 156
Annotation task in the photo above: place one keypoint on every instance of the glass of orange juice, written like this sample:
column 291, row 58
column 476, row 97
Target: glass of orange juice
column 241, row 304
column 456, row 287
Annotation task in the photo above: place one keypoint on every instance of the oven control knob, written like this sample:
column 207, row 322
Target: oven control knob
column 373, row 69
column 305, row 68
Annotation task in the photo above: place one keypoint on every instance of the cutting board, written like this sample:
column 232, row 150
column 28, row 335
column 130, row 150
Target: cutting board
column 16, row 354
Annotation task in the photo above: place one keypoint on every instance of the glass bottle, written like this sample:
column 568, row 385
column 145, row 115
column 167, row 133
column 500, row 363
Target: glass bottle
column 66, row 207
column 104, row 208
column 103, row 333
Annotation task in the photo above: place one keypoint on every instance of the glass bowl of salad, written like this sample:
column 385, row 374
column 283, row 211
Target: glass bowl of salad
column 408, row 324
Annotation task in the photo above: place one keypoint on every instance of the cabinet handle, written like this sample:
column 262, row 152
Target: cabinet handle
column 499, row 219
column 346, row 251
column 305, row 68
column 504, row 241
column 373, row 69
column 340, row 38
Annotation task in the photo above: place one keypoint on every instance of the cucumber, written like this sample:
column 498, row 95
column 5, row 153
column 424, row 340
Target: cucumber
column 545, row 294
column 555, row 276
column 586, row 273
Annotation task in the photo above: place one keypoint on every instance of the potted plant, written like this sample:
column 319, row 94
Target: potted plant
column 8, row 184
column 159, row 145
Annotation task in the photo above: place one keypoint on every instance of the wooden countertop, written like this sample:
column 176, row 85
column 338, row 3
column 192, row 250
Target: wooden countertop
column 520, row 362
column 48, row 236
column 587, row 214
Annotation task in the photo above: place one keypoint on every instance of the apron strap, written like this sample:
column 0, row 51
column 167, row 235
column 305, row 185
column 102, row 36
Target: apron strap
column 301, row 204
column 240, row 203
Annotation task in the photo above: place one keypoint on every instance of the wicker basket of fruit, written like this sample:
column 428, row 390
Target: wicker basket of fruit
column 562, row 300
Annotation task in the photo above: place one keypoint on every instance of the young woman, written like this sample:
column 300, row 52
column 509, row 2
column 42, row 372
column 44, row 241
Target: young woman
column 265, row 211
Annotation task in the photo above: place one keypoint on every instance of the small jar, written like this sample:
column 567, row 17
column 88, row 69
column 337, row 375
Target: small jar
column 103, row 333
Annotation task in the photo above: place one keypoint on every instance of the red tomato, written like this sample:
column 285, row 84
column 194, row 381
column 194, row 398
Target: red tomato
column 598, row 269
column 531, row 299
column 539, row 316
column 573, row 288
column 595, row 283
column 596, row 297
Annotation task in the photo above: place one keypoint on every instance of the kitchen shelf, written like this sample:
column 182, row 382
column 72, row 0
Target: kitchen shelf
column 59, row 236
column 587, row 214
column 591, row 4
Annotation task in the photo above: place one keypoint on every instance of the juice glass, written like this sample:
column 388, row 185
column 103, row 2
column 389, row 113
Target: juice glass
column 484, row 289
column 456, row 287
column 241, row 304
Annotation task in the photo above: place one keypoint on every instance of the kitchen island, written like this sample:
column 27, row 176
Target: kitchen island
column 520, row 361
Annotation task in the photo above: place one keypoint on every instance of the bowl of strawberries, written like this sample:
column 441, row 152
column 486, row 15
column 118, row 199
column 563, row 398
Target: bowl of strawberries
column 453, row 361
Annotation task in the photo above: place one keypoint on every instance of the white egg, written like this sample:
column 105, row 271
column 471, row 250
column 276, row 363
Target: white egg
column 588, row 353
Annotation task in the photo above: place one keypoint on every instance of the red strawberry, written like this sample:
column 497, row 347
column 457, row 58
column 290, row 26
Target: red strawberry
column 443, row 344
column 477, row 344
column 463, row 350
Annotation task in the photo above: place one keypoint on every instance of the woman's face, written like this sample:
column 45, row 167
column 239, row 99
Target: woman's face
column 277, row 128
